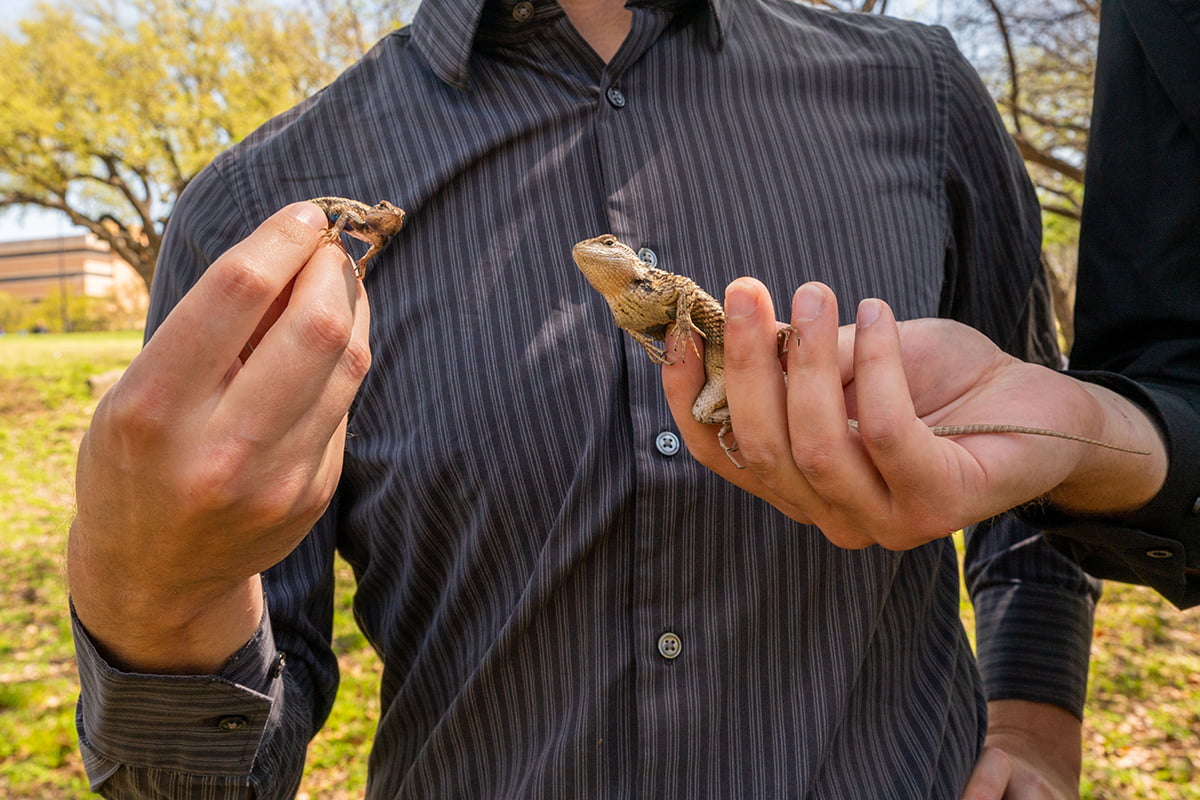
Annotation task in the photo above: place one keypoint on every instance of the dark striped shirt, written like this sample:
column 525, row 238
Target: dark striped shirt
column 526, row 544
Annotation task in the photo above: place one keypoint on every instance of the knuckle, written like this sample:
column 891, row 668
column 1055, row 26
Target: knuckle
column 326, row 331
column 879, row 435
column 757, row 456
column 846, row 537
column 294, row 500
column 239, row 280
column 739, row 359
column 216, row 478
column 228, row 483
column 137, row 412
column 356, row 360
column 274, row 510
column 814, row 458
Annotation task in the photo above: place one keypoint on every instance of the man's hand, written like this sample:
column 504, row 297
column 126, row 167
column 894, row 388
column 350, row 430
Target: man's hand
column 893, row 482
column 217, row 451
column 1032, row 752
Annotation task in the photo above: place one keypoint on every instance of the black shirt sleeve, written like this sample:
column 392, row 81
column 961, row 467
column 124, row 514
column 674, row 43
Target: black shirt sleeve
column 1138, row 300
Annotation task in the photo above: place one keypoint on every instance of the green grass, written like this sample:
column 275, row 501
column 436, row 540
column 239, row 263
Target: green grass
column 45, row 404
column 1143, row 712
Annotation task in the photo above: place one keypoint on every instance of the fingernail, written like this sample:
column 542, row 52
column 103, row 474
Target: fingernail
column 807, row 303
column 740, row 301
column 309, row 214
column 868, row 312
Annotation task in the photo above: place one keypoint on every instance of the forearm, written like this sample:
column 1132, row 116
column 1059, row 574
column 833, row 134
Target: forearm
column 1052, row 734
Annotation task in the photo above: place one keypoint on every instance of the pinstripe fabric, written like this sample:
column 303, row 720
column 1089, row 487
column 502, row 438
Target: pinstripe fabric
column 520, row 543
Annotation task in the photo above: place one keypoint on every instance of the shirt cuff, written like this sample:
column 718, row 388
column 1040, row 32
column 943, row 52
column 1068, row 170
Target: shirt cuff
column 1159, row 544
column 1034, row 643
column 200, row 725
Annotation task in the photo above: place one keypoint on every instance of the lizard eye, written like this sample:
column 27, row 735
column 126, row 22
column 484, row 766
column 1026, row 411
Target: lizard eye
column 608, row 241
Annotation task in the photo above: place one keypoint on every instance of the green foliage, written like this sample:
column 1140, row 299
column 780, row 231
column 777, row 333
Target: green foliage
column 12, row 312
column 1060, row 230
column 108, row 110
column 67, row 312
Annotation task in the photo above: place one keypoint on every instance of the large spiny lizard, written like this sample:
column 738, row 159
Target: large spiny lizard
column 375, row 225
column 645, row 301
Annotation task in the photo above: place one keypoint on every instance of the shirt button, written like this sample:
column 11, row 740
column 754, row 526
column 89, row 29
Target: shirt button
column 232, row 723
column 615, row 98
column 649, row 256
column 669, row 645
column 523, row 12
column 1160, row 554
column 667, row 443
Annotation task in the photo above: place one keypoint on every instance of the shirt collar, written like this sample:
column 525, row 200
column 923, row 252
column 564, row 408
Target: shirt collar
column 444, row 31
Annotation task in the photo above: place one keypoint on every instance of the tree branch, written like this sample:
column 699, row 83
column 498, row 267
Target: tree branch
column 1034, row 155
column 1014, row 92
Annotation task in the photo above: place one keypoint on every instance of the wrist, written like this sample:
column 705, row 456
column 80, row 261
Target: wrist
column 1044, row 742
column 146, row 627
column 1108, row 482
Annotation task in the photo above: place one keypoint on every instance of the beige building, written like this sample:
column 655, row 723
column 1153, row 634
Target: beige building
column 79, row 266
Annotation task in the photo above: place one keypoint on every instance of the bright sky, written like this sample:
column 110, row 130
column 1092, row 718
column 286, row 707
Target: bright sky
column 32, row 223
column 15, row 223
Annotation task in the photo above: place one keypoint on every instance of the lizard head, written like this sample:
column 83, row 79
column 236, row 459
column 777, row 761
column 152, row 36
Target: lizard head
column 385, row 218
column 608, row 265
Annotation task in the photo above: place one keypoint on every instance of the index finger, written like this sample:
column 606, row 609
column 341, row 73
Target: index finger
column 211, row 324
column 899, row 442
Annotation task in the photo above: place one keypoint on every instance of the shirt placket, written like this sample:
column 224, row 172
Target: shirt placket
column 666, row 642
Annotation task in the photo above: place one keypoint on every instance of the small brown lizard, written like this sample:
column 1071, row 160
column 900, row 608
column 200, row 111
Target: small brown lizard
column 375, row 225
column 645, row 301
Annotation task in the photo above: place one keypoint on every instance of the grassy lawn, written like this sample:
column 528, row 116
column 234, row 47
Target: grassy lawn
column 1143, row 715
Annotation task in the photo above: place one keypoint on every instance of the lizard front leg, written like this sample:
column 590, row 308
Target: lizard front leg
column 685, row 329
column 650, row 345
column 345, row 215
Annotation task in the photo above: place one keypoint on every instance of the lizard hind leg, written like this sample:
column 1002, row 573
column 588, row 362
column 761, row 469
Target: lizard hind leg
column 360, row 266
column 730, row 449
column 783, row 339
